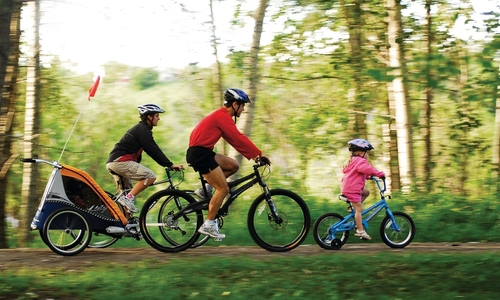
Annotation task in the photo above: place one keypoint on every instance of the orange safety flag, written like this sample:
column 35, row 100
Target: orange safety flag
column 93, row 89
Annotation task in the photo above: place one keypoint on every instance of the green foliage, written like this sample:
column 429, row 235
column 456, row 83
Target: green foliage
column 145, row 78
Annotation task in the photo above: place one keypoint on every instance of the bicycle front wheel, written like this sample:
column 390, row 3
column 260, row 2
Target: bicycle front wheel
column 285, row 231
column 161, row 228
column 397, row 238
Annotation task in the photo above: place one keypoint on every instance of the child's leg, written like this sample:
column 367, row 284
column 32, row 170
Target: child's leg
column 365, row 194
column 357, row 217
column 360, row 231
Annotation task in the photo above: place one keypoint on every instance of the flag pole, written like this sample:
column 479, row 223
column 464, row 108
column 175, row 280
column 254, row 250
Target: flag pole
column 92, row 91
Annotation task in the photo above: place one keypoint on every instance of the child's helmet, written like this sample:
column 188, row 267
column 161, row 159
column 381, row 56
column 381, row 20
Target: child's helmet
column 359, row 145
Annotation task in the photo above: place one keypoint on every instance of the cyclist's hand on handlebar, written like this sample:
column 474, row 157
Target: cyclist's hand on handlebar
column 264, row 160
column 177, row 167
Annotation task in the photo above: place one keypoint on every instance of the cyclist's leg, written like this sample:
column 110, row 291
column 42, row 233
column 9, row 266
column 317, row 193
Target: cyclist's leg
column 217, row 179
column 228, row 165
column 135, row 171
column 365, row 194
column 357, row 217
column 360, row 231
column 141, row 185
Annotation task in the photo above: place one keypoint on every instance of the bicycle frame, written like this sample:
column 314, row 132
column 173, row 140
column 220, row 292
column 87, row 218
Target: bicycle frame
column 234, row 191
column 348, row 224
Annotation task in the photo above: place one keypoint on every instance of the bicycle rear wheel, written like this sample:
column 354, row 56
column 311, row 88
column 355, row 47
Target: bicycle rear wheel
column 159, row 227
column 322, row 234
column 286, row 233
column 394, row 238
column 203, row 238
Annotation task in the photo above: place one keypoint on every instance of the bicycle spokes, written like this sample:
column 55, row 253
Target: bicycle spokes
column 281, row 224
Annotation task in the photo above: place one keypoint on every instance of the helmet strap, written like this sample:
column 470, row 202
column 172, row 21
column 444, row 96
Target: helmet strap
column 235, row 111
column 149, row 121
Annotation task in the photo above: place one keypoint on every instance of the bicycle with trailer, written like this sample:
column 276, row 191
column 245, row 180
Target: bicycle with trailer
column 397, row 230
column 75, row 212
column 278, row 219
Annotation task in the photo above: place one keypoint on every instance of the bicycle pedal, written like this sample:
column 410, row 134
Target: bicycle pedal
column 363, row 239
column 218, row 239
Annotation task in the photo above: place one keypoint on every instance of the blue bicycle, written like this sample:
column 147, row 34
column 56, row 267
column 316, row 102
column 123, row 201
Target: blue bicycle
column 397, row 230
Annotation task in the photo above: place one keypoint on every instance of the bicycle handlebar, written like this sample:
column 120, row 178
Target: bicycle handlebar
column 374, row 178
column 55, row 164
column 262, row 161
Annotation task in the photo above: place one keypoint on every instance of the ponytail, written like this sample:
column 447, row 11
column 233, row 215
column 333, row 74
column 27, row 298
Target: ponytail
column 347, row 162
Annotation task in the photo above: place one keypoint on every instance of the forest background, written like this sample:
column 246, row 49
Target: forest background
column 394, row 72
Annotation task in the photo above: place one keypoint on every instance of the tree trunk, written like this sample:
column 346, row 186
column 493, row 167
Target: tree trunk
column 496, row 138
column 10, row 34
column 216, row 73
column 353, row 16
column 425, row 123
column 29, row 198
column 392, row 137
column 464, row 106
column 246, row 119
column 216, row 78
column 401, row 102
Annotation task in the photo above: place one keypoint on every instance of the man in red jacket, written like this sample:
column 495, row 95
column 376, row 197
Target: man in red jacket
column 215, row 167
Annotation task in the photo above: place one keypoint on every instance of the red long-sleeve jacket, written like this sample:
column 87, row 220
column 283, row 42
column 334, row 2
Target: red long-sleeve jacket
column 220, row 124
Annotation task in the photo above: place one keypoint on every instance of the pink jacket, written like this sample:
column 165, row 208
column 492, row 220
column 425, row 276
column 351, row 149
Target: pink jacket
column 355, row 175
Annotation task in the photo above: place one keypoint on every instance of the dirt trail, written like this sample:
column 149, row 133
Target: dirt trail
column 45, row 258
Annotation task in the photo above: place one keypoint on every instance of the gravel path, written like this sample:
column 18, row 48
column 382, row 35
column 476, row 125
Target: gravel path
column 45, row 258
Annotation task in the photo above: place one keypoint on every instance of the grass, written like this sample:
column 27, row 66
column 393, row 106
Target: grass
column 324, row 276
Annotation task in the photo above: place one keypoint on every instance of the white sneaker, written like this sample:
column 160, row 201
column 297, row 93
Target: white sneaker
column 211, row 230
column 128, row 203
column 200, row 193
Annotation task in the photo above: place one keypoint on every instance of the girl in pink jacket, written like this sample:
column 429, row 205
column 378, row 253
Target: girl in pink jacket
column 356, row 170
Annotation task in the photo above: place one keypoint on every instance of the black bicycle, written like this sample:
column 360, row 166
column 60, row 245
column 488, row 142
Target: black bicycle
column 278, row 219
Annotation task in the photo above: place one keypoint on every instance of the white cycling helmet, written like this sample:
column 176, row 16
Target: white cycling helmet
column 150, row 108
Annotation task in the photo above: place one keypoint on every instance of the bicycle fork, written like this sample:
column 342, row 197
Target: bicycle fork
column 393, row 224
column 274, row 216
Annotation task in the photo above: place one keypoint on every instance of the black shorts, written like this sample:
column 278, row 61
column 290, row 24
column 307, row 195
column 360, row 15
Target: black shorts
column 201, row 159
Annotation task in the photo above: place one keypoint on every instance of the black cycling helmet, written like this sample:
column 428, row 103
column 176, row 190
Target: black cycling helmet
column 359, row 145
column 231, row 95
column 148, row 109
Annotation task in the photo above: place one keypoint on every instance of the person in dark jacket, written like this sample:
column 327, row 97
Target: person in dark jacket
column 126, row 155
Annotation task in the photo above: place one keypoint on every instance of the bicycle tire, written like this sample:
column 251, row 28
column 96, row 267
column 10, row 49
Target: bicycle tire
column 203, row 238
column 102, row 240
column 67, row 231
column 401, row 238
column 274, row 237
column 321, row 230
column 159, row 229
